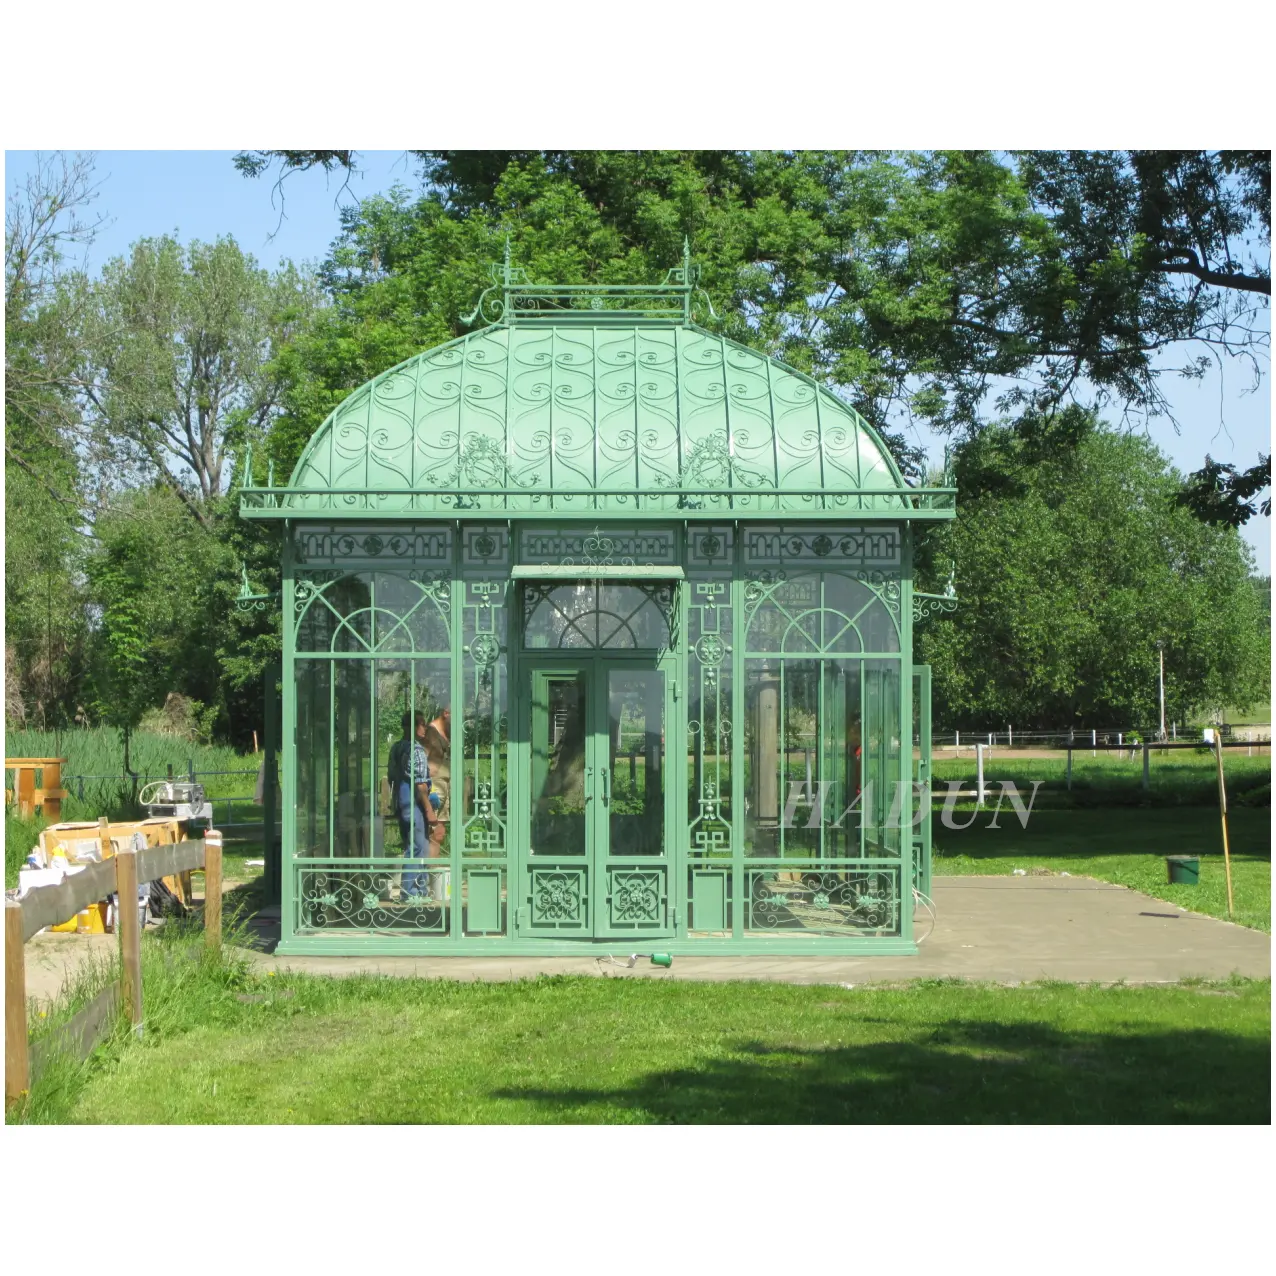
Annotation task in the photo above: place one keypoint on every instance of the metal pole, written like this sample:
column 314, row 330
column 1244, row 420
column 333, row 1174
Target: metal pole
column 979, row 772
column 1145, row 765
column 1094, row 739
column 1070, row 739
column 1222, row 810
column 1160, row 651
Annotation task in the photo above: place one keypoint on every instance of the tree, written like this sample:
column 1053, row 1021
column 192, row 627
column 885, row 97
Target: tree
column 925, row 285
column 179, row 360
column 153, row 577
column 1223, row 495
column 1073, row 558
column 46, row 219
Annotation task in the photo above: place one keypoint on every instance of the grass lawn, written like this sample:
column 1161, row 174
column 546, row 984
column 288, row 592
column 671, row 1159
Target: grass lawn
column 1176, row 778
column 1126, row 846
column 304, row 1049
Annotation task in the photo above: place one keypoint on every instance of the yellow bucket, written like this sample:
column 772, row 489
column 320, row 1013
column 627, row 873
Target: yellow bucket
column 91, row 920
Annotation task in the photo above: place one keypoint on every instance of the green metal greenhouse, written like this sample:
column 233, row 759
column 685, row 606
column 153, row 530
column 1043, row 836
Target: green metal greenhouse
column 665, row 583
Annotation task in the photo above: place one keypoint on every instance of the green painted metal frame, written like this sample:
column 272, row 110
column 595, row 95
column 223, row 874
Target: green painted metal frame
column 598, row 857
column 677, row 688
column 705, row 483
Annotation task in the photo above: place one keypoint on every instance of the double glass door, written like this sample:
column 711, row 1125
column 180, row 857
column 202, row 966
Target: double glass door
column 597, row 816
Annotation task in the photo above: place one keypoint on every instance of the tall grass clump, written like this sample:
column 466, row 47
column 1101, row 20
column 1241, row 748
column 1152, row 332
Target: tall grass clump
column 100, row 751
column 184, row 985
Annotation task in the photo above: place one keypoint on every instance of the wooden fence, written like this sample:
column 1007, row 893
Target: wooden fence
column 50, row 905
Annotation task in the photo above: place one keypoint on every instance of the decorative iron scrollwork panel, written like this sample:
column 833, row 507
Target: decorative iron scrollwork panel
column 833, row 547
column 410, row 898
column 558, row 899
column 823, row 899
column 637, row 898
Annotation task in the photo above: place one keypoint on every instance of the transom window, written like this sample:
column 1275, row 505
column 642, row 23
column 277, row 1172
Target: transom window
column 595, row 613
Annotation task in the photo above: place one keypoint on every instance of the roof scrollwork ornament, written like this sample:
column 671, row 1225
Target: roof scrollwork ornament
column 247, row 601
column 927, row 605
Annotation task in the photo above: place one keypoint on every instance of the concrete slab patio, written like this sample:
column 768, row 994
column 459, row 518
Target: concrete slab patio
column 1000, row 929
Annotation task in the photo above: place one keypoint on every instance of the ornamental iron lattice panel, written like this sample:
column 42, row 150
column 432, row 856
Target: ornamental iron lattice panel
column 558, row 899
column 823, row 899
column 710, row 735
column 328, row 545
column 602, row 547
column 637, row 899
column 408, row 898
column 833, row 547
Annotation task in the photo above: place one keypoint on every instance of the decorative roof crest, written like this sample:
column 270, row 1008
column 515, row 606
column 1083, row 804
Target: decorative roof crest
column 512, row 299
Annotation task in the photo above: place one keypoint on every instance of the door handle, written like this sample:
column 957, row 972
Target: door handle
column 606, row 785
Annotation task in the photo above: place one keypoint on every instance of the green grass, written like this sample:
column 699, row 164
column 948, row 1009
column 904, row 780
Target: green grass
column 299, row 1049
column 1127, row 847
column 183, row 985
column 1176, row 778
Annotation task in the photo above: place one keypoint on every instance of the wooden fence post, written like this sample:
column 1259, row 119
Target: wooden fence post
column 213, row 888
column 130, row 931
column 17, row 1065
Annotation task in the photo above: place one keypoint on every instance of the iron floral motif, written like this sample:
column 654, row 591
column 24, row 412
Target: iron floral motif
column 635, row 897
column 709, row 467
column 485, row 649
column 710, row 650
column 556, row 896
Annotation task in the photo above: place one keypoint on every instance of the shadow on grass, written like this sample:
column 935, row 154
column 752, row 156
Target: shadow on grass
column 964, row 1071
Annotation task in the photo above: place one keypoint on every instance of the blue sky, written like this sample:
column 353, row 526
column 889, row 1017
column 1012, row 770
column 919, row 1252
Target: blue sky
column 198, row 195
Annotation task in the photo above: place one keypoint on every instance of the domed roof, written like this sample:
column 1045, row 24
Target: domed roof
column 531, row 418
column 568, row 405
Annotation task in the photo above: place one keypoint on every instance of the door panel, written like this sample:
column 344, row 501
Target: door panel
column 560, row 742
column 597, row 816
column 633, row 855
column 634, row 787
column 557, row 876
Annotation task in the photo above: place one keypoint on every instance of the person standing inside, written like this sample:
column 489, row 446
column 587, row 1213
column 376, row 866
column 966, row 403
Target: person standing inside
column 438, row 747
column 414, row 803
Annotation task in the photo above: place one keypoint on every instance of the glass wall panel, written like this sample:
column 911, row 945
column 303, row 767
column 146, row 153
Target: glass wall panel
column 636, row 744
column 560, row 728
column 352, row 778
column 393, row 700
column 313, row 755
column 410, row 613
column 883, row 778
column 819, row 612
column 803, row 741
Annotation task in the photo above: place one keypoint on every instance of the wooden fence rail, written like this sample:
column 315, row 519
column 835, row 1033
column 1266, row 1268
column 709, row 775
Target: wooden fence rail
column 50, row 905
